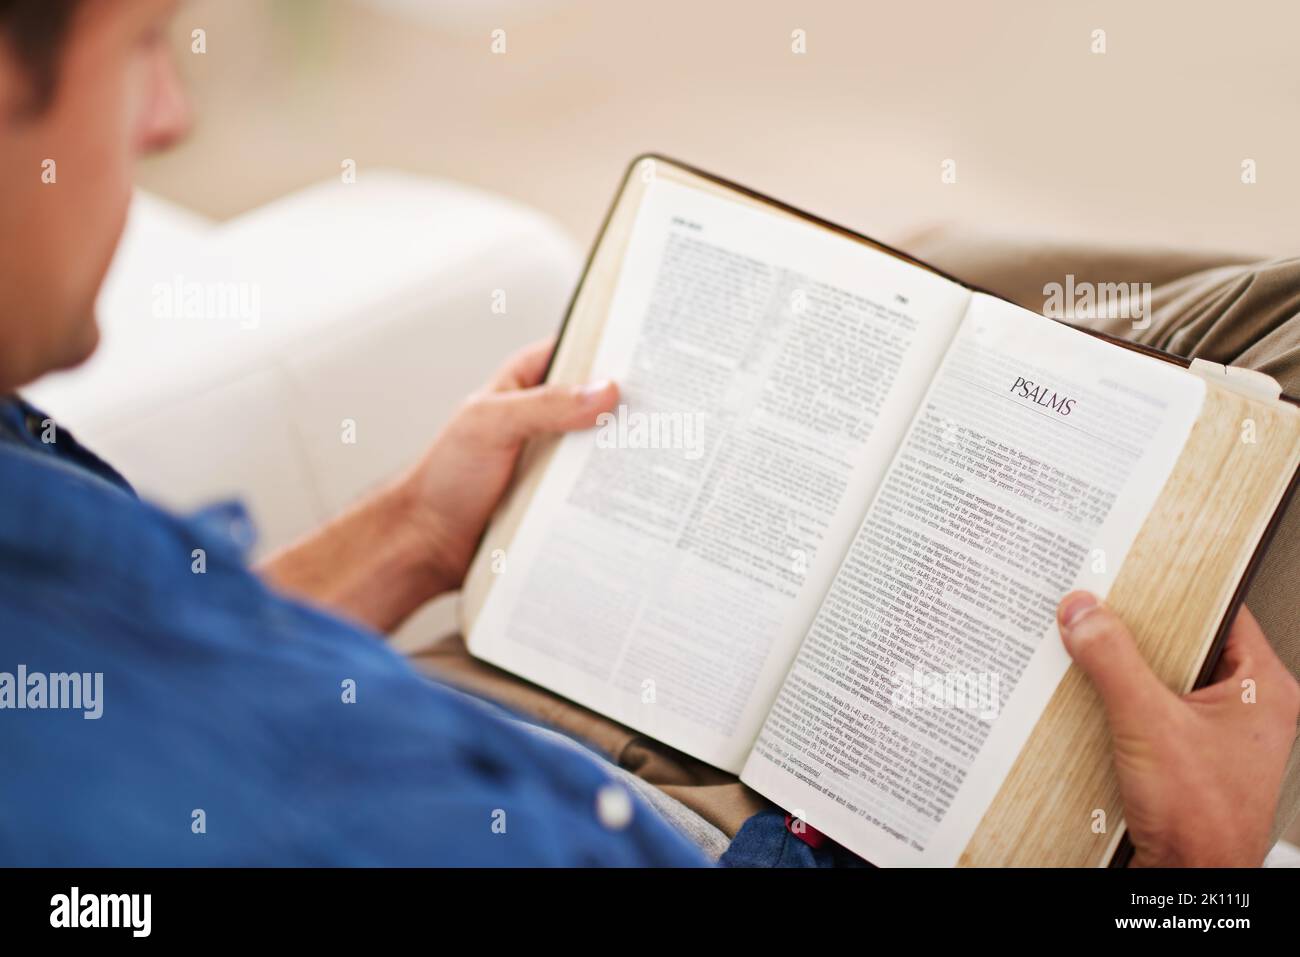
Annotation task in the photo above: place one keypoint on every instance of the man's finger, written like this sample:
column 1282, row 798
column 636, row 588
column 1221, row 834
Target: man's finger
column 523, row 413
column 1245, row 648
column 1103, row 648
column 1248, row 656
column 525, row 368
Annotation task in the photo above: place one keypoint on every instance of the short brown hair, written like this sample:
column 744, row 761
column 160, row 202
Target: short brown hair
column 34, row 31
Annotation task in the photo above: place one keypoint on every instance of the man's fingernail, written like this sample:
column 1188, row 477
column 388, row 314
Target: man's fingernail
column 593, row 390
column 1076, row 607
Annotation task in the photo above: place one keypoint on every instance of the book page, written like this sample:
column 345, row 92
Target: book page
column 1028, row 471
column 672, row 559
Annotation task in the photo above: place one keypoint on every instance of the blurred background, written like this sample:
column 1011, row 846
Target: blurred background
column 1140, row 144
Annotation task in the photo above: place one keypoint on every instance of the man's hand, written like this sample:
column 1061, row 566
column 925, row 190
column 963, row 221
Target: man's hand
column 459, row 482
column 1199, row 774
column 413, row 540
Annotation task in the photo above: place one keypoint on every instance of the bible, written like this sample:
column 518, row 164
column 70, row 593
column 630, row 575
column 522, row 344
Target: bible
column 821, row 542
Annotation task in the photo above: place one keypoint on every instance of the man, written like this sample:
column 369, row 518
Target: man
column 237, row 724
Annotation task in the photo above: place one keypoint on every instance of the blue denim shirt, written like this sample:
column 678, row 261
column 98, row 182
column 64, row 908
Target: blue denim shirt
column 226, row 733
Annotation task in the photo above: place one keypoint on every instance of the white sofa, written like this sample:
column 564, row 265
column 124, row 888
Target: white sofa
column 374, row 304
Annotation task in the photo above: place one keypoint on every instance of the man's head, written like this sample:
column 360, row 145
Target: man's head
column 86, row 87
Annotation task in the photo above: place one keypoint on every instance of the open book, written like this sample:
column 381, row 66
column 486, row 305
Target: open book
column 822, row 543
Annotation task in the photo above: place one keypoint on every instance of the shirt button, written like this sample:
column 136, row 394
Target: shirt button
column 613, row 807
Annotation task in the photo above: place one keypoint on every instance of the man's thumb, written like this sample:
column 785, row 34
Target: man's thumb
column 524, row 413
column 1102, row 646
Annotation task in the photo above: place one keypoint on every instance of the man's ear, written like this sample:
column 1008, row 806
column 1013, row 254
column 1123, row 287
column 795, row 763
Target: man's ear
column 16, row 91
column 33, row 34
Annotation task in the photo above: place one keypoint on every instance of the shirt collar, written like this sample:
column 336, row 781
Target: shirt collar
column 26, row 429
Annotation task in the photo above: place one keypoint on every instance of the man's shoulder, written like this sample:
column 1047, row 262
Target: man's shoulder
column 57, row 519
column 291, row 727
